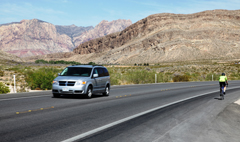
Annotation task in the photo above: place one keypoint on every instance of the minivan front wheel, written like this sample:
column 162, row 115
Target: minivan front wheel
column 89, row 92
column 107, row 91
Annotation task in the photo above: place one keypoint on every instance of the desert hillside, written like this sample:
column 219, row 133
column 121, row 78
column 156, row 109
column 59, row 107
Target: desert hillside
column 166, row 37
column 9, row 57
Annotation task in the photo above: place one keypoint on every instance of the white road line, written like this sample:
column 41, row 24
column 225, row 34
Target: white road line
column 23, row 98
column 132, row 117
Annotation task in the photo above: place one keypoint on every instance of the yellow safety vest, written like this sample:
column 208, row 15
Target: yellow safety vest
column 222, row 78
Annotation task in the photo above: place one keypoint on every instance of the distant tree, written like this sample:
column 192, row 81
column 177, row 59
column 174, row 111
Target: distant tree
column 91, row 63
column 41, row 61
column 57, row 62
column 52, row 62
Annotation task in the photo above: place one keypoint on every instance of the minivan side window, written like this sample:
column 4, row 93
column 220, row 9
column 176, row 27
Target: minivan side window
column 95, row 72
column 105, row 72
column 100, row 72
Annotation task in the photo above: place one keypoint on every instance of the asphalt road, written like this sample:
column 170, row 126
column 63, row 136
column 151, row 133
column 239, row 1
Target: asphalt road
column 39, row 117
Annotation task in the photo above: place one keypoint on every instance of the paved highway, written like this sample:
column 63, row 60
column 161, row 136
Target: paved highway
column 130, row 113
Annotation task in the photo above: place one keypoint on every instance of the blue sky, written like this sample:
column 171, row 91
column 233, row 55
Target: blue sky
column 91, row 12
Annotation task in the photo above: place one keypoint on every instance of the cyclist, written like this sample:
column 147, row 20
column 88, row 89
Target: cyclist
column 223, row 82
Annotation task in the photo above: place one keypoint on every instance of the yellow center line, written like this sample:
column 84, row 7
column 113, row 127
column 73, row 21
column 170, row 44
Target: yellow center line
column 48, row 108
column 34, row 110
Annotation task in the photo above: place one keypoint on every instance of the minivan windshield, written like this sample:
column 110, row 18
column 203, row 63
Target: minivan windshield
column 76, row 71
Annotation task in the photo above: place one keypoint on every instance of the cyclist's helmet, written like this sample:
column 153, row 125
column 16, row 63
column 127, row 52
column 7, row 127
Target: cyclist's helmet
column 223, row 74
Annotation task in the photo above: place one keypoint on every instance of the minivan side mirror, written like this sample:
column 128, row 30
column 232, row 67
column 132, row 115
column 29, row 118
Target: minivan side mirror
column 95, row 75
column 58, row 74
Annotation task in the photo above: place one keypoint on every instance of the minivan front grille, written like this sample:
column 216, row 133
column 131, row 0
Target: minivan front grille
column 66, row 83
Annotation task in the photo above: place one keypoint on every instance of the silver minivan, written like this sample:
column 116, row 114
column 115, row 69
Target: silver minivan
column 82, row 80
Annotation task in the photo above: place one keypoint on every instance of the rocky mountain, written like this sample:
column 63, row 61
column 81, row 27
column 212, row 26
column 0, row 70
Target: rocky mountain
column 33, row 37
column 170, row 37
column 166, row 37
column 36, row 37
column 102, row 29
column 73, row 31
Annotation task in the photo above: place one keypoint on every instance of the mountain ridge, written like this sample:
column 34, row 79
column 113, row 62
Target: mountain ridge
column 165, row 37
column 36, row 37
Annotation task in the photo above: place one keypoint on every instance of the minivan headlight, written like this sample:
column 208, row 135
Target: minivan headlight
column 55, row 82
column 81, row 82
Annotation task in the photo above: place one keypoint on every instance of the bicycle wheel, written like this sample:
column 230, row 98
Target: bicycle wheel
column 222, row 96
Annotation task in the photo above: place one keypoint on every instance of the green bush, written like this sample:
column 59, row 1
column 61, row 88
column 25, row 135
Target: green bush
column 41, row 78
column 181, row 78
column 4, row 89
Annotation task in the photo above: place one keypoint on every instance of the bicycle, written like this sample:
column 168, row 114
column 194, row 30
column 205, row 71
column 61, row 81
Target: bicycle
column 221, row 93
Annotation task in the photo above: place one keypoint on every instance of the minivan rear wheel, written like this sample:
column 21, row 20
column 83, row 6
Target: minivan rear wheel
column 107, row 91
column 89, row 92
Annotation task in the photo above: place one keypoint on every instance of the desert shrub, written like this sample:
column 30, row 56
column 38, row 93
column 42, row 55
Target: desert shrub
column 139, row 76
column 209, row 77
column 1, row 73
column 181, row 78
column 4, row 89
column 234, row 76
column 115, row 76
column 16, row 69
column 41, row 78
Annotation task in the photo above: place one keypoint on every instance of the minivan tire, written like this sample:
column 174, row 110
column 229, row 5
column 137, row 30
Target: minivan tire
column 89, row 92
column 106, row 92
column 56, row 95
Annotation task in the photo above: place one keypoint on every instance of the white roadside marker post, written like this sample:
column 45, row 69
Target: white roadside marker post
column 155, row 78
column 14, row 84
